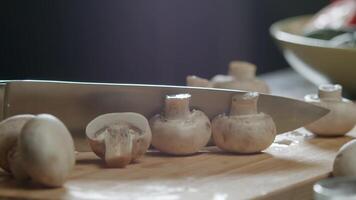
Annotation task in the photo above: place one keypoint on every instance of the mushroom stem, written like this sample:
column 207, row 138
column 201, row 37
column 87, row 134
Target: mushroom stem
column 177, row 106
column 330, row 92
column 242, row 70
column 118, row 145
column 244, row 104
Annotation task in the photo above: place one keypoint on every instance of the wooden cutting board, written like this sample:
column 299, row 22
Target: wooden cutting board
column 287, row 170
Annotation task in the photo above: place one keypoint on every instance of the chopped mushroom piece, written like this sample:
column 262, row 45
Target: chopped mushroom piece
column 119, row 138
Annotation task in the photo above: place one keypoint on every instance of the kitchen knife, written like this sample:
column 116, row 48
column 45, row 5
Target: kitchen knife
column 77, row 103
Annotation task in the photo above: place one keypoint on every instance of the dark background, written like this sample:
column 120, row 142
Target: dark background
column 157, row 41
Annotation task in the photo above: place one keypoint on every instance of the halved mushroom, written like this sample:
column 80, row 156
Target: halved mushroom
column 342, row 116
column 178, row 130
column 41, row 148
column 244, row 130
column 244, row 78
column 119, row 138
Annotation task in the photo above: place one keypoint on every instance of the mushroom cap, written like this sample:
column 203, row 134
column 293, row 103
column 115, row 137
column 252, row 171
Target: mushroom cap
column 47, row 150
column 196, row 81
column 340, row 120
column 345, row 160
column 243, row 133
column 181, row 136
column 97, row 127
column 10, row 130
column 15, row 164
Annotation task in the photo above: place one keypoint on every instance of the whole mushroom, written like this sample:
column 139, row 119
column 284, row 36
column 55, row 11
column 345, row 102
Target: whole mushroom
column 179, row 131
column 345, row 161
column 10, row 130
column 119, row 138
column 342, row 116
column 47, row 150
column 244, row 130
column 243, row 78
column 42, row 151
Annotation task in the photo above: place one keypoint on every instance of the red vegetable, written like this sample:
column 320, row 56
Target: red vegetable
column 339, row 15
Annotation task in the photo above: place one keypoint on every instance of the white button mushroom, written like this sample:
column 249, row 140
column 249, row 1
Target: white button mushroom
column 345, row 161
column 178, row 130
column 244, row 78
column 244, row 130
column 43, row 151
column 10, row 130
column 47, row 150
column 342, row 116
column 119, row 138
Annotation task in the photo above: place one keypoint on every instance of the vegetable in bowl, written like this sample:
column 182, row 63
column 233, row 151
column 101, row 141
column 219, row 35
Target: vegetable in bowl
column 335, row 23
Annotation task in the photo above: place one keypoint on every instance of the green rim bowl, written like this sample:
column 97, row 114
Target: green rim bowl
column 317, row 60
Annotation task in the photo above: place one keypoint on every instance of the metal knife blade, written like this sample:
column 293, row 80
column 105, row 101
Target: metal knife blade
column 76, row 103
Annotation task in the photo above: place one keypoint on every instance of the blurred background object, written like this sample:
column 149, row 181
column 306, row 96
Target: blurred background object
column 321, row 47
column 158, row 42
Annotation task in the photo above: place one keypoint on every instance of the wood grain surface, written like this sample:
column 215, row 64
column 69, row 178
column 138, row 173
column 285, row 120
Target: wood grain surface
column 286, row 170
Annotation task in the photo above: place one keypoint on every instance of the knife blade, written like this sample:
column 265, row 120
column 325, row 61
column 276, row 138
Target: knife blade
column 77, row 103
